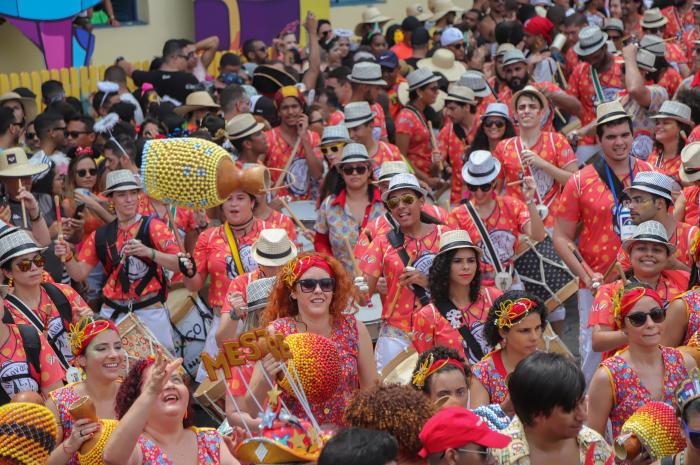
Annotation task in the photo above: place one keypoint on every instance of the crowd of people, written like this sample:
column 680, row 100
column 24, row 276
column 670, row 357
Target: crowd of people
column 438, row 191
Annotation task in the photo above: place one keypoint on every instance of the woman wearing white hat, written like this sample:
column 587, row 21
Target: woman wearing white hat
column 403, row 256
column 673, row 124
column 460, row 304
column 352, row 204
column 495, row 125
column 501, row 218
column 649, row 252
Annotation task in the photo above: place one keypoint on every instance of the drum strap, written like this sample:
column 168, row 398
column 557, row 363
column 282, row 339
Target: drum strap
column 395, row 238
column 32, row 348
column 233, row 246
column 596, row 85
column 446, row 305
column 485, row 237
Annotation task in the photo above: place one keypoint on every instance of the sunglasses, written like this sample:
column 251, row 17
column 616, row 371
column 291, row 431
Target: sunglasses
column 693, row 435
column 494, row 122
column 458, row 46
column 309, row 285
column 75, row 134
column 331, row 148
column 483, row 187
column 83, row 173
column 31, row 135
column 26, row 264
column 407, row 199
column 638, row 319
column 348, row 170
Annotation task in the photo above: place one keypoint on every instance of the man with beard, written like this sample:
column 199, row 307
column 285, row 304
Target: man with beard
column 517, row 76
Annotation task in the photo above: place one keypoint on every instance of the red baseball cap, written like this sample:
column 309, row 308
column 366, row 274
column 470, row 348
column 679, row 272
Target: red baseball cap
column 454, row 427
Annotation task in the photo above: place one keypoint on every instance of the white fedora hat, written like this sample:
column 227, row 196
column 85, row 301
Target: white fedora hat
column 273, row 248
column 368, row 73
column 357, row 113
column 443, row 62
column 496, row 109
column 610, row 111
column 461, row 94
column 243, row 125
column 457, row 239
column 121, row 180
column 512, row 56
column 421, row 77
column 653, row 182
column 654, row 44
column 354, row 153
column 391, row 168
column 476, row 81
column 645, row 60
column 15, row 243
column 258, row 292
column 676, row 110
column 590, row 40
column 337, row 134
column 530, row 91
column 481, row 168
column 649, row 231
column 653, row 18
column 404, row 96
column 403, row 181
column 690, row 159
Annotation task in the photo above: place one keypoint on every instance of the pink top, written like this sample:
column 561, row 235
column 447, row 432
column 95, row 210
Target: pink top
column 63, row 398
column 493, row 377
column 208, row 449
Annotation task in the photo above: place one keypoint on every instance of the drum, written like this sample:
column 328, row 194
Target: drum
column 138, row 341
column 191, row 320
column 371, row 316
column 551, row 342
column 400, row 369
column 545, row 275
column 305, row 211
column 211, row 396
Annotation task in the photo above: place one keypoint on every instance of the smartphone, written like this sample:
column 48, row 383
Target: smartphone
column 79, row 211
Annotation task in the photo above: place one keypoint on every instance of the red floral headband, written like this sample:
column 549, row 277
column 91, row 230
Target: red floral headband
column 512, row 310
column 293, row 270
column 85, row 330
column 624, row 303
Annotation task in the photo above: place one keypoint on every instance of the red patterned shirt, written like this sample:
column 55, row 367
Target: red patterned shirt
column 677, row 24
column 506, row 96
column 419, row 149
column 453, row 148
column 278, row 152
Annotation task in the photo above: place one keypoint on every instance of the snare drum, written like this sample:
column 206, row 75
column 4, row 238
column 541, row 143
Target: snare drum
column 211, row 396
column 191, row 321
column 305, row 211
column 371, row 316
column 545, row 275
column 400, row 369
column 138, row 342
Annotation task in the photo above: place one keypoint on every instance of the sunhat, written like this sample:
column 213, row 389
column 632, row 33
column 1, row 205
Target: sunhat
column 391, row 168
column 354, row 153
column 418, row 11
column 17, row 243
column 14, row 164
column 461, row 94
column 675, row 110
column 421, row 77
column 476, row 82
column 654, row 44
column 481, row 168
column 512, row 56
column 243, row 125
column 653, row 182
column 258, row 292
column 590, row 40
column 273, row 248
column 337, row 134
column 443, row 62
column 532, row 91
column 496, row 109
column 121, row 180
column 610, row 111
column 371, row 15
column 200, row 100
column 645, row 60
column 368, row 73
column 28, row 104
column 443, row 7
column 403, row 181
column 690, row 163
column 457, row 239
column 653, row 18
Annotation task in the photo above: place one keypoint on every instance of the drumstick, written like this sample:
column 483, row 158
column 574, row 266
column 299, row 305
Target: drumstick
column 292, row 215
column 515, row 183
column 295, row 149
column 351, row 251
column 589, row 271
column 561, row 75
column 176, row 231
column 433, row 142
column 57, row 202
column 24, row 208
column 621, row 272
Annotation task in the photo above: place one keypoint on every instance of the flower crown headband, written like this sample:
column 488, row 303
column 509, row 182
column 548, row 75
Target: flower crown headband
column 511, row 310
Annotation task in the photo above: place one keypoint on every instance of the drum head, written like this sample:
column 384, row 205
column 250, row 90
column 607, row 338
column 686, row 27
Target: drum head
column 178, row 303
column 210, row 391
column 400, row 369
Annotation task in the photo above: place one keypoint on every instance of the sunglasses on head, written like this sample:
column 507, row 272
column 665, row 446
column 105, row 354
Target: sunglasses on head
column 331, row 148
column 494, row 122
column 483, row 187
column 359, row 169
column 83, row 173
column 26, row 264
column 693, row 435
column 309, row 285
column 638, row 319
column 408, row 199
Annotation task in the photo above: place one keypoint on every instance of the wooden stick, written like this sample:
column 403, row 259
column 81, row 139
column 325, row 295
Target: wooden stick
column 561, row 75
column 559, row 115
column 621, row 272
column 434, row 144
column 351, row 251
column 515, row 183
column 176, row 231
column 57, row 203
column 24, row 208
column 295, row 149
column 608, row 271
column 589, row 271
column 292, row 215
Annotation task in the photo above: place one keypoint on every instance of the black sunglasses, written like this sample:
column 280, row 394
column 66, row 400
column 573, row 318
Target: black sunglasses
column 75, row 134
column 483, row 187
column 309, row 285
column 83, row 173
column 638, row 319
column 31, row 135
column 493, row 122
column 458, row 46
column 360, row 169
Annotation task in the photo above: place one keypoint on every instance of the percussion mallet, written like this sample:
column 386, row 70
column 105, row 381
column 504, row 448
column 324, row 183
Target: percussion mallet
column 515, row 183
column 176, row 230
column 24, row 208
column 292, row 215
column 621, row 272
column 293, row 155
column 434, row 144
column 589, row 271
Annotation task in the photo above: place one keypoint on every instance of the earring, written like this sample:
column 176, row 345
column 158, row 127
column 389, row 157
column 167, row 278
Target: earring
column 43, row 277
column 187, row 414
column 10, row 282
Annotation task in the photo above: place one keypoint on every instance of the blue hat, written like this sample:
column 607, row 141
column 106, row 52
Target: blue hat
column 388, row 59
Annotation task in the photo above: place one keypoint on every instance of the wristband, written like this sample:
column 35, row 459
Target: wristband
column 233, row 314
column 183, row 268
column 34, row 220
column 153, row 255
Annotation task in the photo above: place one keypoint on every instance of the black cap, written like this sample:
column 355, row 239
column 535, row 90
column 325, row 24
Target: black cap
column 265, row 107
column 420, row 37
column 410, row 24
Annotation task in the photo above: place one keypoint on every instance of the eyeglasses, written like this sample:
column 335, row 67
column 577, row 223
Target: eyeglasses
column 458, row 45
column 75, row 134
column 359, row 169
column 640, row 200
column 494, row 122
column 83, row 173
column 331, row 148
column 654, row 30
column 693, row 435
column 482, row 187
column 485, row 453
column 26, row 264
column 407, row 199
column 637, row 319
column 309, row 285
column 31, row 135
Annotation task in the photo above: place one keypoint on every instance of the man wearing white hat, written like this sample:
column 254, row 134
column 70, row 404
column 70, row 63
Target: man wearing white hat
column 589, row 212
column 359, row 119
column 688, row 205
column 247, row 136
column 366, row 82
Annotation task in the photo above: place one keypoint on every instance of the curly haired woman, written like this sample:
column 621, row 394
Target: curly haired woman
column 442, row 372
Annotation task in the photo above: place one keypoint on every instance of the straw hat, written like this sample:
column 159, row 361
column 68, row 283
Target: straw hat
column 496, row 109
column 200, row 100
column 653, row 182
column 503, row 48
column 654, row 44
column 676, row 110
column 357, row 113
column 273, row 248
column 371, row 15
column 16, row 243
column 614, row 24
column 649, row 231
column 243, row 125
column 367, row 73
column 476, row 82
column 421, row 77
column 610, row 111
column 337, row 134
column 461, row 94
column 418, row 12
column 653, row 18
column 403, row 94
column 443, row 62
column 391, row 168
column 530, row 91
column 690, row 159
column 403, row 181
column 645, row 60
column 512, row 56
column 28, row 104
column 590, row 40
column 258, row 292
column 481, row 168
column 354, row 153
column 457, row 239
column 443, row 7
column 14, row 164
column 121, row 180
column 282, row 441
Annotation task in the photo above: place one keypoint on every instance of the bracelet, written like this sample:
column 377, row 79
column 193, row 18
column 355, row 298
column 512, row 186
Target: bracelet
column 34, row 220
column 70, row 257
column 234, row 315
column 153, row 255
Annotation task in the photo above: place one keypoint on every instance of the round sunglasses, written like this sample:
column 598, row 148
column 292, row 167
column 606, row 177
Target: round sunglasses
column 394, row 202
column 85, row 172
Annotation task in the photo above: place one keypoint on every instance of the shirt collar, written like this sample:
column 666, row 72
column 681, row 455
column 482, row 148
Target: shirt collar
column 340, row 198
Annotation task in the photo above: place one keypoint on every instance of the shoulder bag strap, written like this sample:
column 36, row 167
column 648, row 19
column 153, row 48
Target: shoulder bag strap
column 395, row 238
column 618, row 188
column 446, row 305
column 596, row 85
column 485, row 237
column 233, row 246
column 60, row 300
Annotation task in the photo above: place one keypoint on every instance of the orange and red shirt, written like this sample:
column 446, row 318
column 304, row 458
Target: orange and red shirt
column 671, row 79
column 505, row 95
column 506, row 222
column 385, row 152
column 572, row 60
column 378, row 123
column 689, row 38
column 677, row 24
column 163, row 241
column 279, row 220
column 670, row 166
column 587, row 199
column 551, row 147
column 453, row 148
column 675, row 56
column 213, row 256
column 683, row 235
column 393, row 96
column 692, row 205
column 336, row 118
column 419, row 152
column 278, row 152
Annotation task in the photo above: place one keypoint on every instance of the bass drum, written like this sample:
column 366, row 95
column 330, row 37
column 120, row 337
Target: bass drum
column 400, row 369
column 191, row 321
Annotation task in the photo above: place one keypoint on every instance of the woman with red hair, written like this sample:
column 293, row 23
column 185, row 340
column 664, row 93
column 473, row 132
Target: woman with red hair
column 311, row 295
column 156, row 415
column 645, row 371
